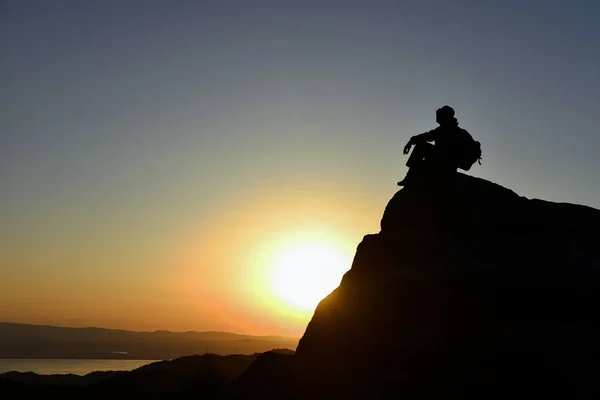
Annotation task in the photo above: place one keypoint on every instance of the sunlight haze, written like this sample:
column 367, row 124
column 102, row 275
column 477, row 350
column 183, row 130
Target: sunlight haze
column 213, row 165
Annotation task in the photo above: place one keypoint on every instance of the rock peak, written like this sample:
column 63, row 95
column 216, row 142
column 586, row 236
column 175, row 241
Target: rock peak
column 462, row 203
column 469, row 290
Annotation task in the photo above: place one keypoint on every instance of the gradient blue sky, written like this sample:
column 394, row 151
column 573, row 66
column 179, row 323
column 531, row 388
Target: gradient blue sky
column 130, row 127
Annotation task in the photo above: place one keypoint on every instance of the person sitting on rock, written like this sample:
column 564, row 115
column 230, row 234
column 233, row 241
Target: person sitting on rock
column 444, row 156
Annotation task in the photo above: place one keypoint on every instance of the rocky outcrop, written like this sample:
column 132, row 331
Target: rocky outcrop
column 468, row 291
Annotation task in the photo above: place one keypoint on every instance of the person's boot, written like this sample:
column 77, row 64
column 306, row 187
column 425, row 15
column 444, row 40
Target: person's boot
column 407, row 178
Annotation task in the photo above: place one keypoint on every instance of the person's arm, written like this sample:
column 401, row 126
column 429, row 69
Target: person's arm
column 423, row 137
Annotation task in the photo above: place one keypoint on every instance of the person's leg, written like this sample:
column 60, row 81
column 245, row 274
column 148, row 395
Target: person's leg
column 417, row 161
column 420, row 152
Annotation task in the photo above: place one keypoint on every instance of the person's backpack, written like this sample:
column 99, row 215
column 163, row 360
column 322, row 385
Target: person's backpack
column 470, row 154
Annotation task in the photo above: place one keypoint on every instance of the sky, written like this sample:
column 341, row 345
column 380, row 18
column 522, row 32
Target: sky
column 162, row 161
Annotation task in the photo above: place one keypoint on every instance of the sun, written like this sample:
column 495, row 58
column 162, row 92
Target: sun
column 304, row 273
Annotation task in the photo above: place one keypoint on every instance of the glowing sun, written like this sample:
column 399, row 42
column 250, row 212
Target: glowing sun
column 304, row 273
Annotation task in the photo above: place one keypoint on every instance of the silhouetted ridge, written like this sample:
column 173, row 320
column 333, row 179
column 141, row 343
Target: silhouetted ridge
column 469, row 290
column 38, row 341
column 190, row 377
column 463, row 203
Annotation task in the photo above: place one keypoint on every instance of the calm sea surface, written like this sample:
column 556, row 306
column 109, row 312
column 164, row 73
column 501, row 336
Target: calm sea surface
column 79, row 367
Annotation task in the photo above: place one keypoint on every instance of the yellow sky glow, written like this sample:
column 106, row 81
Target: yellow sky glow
column 258, row 266
column 276, row 258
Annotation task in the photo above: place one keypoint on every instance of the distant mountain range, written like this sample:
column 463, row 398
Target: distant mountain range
column 39, row 341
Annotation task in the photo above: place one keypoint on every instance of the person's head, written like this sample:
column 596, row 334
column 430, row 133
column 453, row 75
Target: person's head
column 445, row 115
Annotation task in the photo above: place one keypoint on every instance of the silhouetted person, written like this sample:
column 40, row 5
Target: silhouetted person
column 448, row 152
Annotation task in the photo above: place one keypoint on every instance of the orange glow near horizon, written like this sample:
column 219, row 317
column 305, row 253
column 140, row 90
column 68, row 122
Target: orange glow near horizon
column 266, row 264
column 258, row 265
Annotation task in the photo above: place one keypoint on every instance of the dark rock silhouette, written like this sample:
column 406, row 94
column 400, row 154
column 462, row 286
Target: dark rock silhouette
column 269, row 377
column 30, row 378
column 468, row 291
column 191, row 377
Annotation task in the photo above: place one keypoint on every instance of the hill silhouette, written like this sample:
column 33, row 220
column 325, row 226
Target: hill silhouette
column 203, row 376
column 39, row 341
column 468, row 291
